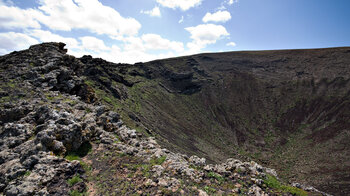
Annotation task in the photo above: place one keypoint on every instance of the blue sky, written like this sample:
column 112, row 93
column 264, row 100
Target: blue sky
column 142, row 30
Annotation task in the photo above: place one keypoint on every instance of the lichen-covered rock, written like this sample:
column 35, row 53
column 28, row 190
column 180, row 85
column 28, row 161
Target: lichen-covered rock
column 196, row 160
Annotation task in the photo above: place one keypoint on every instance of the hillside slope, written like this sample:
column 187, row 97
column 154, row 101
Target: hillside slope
column 287, row 110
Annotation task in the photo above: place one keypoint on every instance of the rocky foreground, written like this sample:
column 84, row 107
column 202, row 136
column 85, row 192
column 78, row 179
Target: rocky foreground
column 57, row 138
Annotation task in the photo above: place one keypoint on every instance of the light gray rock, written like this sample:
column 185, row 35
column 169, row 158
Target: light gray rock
column 158, row 170
column 23, row 189
column 270, row 171
column 231, row 164
column 209, row 168
column 202, row 193
column 255, row 190
column 163, row 182
column 195, row 160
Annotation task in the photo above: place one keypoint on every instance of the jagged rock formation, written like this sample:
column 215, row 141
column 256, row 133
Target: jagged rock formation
column 60, row 133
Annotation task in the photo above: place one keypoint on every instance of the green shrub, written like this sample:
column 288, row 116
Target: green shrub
column 195, row 167
column 76, row 193
column 74, row 180
column 145, row 170
column 158, row 161
column 216, row 176
column 272, row 182
column 294, row 191
column 209, row 189
column 107, row 99
column 72, row 157
column 90, row 83
column 122, row 154
column 27, row 173
column 85, row 166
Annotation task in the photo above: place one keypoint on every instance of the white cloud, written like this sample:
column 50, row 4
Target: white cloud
column 17, row 41
column 133, row 56
column 219, row 16
column 222, row 7
column 154, row 12
column 91, row 15
column 156, row 42
column 133, row 44
column 182, row 4
column 226, row 2
column 233, row 44
column 11, row 41
column 230, row 2
column 66, row 15
column 205, row 34
column 148, row 42
column 181, row 20
column 135, row 49
column 94, row 44
column 116, row 54
column 14, row 17
column 47, row 36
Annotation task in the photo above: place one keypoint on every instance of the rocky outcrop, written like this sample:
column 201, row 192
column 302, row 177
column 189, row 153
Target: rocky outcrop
column 54, row 119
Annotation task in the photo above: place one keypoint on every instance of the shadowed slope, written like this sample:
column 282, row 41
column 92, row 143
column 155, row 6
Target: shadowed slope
column 288, row 109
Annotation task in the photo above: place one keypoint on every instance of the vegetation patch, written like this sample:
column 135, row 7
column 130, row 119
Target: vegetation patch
column 81, row 152
column 72, row 157
column 76, row 193
column 209, row 190
column 75, row 179
column 157, row 161
column 272, row 182
column 216, row 176
column 27, row 173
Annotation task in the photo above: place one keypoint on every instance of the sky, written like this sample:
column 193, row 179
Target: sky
column 130, row 31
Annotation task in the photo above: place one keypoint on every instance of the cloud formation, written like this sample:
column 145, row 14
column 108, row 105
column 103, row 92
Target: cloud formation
column 106, row 33
column 94, row 44
column 14, row 17
column 233, row 44
column 66, row 15
column 219, row 16
column 134, row 50
column 155, row 12
column 205, row 34
column 47, row 36
column 15, row 41
column 90, row 15
column 226, row 2
column 156, row 42
column 230, row 2
column 182, row 4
